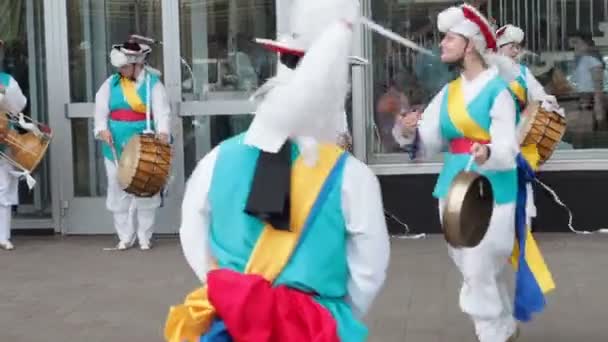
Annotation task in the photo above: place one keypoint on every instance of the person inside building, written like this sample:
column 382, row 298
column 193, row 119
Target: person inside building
column 317, row 245
column 474, row 116
column 12, row 101
column 120, row 114
column 588, row 78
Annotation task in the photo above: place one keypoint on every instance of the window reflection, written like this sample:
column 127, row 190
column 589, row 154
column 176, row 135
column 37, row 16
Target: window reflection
column 566, row 48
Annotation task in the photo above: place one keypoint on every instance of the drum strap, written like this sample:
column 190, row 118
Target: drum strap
column 273, row 249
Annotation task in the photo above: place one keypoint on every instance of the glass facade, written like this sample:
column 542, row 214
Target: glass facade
column 211, row 66
column 565, row 64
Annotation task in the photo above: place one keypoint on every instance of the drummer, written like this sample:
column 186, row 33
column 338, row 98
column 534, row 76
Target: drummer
column 13, row 101
column 120, row 114
column 475, row 116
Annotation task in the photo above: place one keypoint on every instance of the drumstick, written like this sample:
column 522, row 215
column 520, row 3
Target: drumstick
column 114, row 154
column 470, row 163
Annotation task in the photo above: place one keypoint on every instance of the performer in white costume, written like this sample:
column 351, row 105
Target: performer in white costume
column 13, row 101
column 475, row 116
column 120, row 114
column 296, row 114
column 526, row 89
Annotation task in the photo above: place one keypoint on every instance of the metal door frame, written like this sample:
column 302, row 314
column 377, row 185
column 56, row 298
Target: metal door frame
column 88, row 215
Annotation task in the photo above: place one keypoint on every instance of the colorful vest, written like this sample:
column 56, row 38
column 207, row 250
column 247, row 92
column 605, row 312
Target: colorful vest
column 472, row 121
column 5, row 81
column 125, row 97
column 519, row 89
column 318, row 264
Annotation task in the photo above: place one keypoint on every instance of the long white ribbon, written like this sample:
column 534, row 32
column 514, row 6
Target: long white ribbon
column 393, row 36
column 570, row 216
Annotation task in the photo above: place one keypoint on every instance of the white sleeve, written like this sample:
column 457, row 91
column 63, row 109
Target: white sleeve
column 13, row 101
column 161, row 109
column 431, row 140
column 536, row 92
column 196, row 214
column 102, row 107
column 504, row 147
column 368, row 246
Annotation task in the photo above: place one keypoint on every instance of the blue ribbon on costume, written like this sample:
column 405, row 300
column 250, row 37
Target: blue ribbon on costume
column 533, row 279
column 217, row 333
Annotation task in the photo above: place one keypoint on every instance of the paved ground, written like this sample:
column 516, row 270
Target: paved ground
column 56, row 289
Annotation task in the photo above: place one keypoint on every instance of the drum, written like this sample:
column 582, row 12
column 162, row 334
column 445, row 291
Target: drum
column 468, row 209
column 25, row 150
column 144, row 166
column 543, row 128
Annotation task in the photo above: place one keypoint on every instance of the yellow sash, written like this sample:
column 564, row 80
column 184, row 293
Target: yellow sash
column 530, row 154
column 536, row 262
column 131, row 95
column 459, row 115
column 271, row 253
column 519, row 91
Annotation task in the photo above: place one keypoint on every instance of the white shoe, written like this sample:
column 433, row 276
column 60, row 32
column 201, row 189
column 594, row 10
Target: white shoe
column 145, row 245
column 7, row 245
column 124, row 245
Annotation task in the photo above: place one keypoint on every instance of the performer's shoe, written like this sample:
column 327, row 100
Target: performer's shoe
column 124, row 245
column 515, row 336
column 7, row 245
column 145, row 245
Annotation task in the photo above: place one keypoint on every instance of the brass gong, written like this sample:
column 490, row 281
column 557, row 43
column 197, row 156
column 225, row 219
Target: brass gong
column 468, row 210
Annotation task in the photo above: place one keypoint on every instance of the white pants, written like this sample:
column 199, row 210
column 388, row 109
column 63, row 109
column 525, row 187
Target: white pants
column 484, row 295
column 126, row 208
column 9, row 196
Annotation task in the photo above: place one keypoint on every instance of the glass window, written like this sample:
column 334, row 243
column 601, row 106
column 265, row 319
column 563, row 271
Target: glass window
column 220, row 58
column 22, row 56
column 203, row 133
column 566, row 48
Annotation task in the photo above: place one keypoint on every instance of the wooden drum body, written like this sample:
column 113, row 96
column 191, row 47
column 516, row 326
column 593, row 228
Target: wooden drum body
column 144, row 166
column 25, row 150
column 543, row 128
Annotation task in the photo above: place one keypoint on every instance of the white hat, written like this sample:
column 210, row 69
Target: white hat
column 509, row 34
column 129, row 53
column 308, row 19
column 466, row 20
column 469, row 22
column 304, row 102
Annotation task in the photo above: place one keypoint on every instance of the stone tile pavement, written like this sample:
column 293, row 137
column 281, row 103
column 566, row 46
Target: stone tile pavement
column 57, row 289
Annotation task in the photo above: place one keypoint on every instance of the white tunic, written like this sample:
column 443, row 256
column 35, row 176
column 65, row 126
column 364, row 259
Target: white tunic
column 368, row 243
column 117, row 199
column 503, row 147
column 13, row 101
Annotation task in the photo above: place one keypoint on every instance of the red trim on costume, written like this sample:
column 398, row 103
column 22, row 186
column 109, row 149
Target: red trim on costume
column 473, row 15
column 283, row 49
column 463, row 145
column 253, row 310
column 128, row 115
column 501, row 31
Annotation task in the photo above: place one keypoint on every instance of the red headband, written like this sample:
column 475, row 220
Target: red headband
column 483, row 25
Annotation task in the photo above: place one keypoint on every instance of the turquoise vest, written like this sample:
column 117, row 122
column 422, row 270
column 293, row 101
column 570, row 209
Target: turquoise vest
column 318, row 264
column 5, row 81
column 521, row 79
column 123, row 131
column 504, row 183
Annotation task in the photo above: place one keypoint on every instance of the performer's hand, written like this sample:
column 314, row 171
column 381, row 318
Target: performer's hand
column 481, row 153
column 164, row 137
column 105, row 136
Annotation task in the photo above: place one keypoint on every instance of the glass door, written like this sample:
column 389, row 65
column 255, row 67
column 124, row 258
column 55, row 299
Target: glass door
column 92, row 27
column 221, row 67
column 22, row 56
